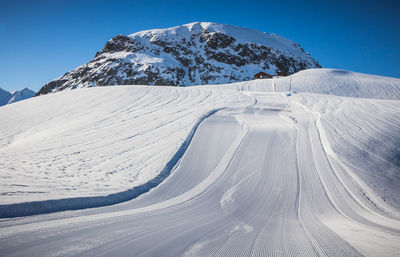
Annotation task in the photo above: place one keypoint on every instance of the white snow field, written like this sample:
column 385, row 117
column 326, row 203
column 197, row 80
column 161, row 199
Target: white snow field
column 245, row 172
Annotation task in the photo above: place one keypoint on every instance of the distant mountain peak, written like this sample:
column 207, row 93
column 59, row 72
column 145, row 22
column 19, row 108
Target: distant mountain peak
column 7, row 97
column 190, row 54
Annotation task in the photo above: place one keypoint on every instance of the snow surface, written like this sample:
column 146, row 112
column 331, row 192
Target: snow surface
column 264, row 174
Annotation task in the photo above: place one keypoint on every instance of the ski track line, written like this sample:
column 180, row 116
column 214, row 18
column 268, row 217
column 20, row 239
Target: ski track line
column 313, row 241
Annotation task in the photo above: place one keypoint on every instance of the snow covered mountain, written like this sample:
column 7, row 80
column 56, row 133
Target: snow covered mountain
column 5, row 96
column 15, row 96
column 21, row 95
column 192, row 54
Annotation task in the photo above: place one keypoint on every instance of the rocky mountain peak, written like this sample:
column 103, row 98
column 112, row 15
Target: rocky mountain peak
column 190, row 54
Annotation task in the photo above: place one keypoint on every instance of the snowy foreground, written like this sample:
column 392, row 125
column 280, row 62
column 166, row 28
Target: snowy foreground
column 230, row 170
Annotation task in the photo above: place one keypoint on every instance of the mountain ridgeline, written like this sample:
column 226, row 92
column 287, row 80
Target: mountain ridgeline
column 192, row 54
column 15, row 96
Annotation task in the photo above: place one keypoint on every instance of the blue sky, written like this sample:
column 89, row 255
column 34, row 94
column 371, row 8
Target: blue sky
column 42, row 40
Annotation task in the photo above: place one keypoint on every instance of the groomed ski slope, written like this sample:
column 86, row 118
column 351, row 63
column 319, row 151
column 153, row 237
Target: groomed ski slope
column 265, row 175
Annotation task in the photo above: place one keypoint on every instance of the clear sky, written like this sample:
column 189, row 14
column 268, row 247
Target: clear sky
column 42, row 40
